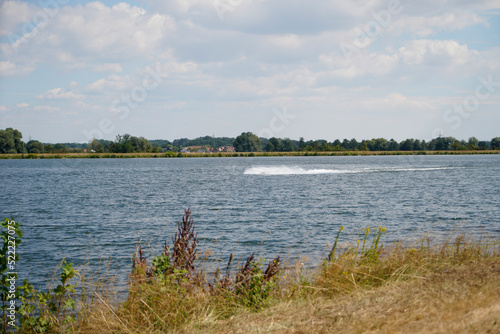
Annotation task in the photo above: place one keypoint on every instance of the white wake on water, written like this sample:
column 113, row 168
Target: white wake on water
column 295, row 170
column 285, row 170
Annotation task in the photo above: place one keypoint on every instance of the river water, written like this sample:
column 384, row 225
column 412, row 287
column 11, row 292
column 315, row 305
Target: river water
column 86, row 210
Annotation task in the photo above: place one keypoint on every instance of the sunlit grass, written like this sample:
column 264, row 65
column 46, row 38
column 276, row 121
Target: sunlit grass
column 365, row 285
column 352, row 275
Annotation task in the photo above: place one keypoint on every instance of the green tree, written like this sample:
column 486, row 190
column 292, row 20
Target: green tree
column 482, row 145
column 354, row 145
column 165, row 145
column 364, row 146
column 417, row 145
column 407, row 145
column 95, row 146
column 276, row 143
column 10, row 141
column 6, row 142
column 393, row 145
column 48, row 148
column 269, row 147
column 287, row 145
column 60, row 148
column 381, row 144
column 370, row 144
column 443, row 143
column 495, row 143
column 123, row 144
column 457, row 145
column 473, row 143
column 141, row 144
column 34, row 146
column 247, row 142
column 346, row 144
column 325, row 146
column 302, row 144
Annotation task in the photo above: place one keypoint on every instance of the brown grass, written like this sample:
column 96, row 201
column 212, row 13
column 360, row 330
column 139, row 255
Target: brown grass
column 463, row 299
column 426, row 287
column 453, row 287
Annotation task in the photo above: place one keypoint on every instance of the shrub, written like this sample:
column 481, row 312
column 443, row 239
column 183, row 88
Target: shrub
column 39, row 312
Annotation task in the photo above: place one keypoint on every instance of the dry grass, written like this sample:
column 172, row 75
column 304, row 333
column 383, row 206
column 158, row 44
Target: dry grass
column 449, row 288
column 464, row 299
column 452, row 287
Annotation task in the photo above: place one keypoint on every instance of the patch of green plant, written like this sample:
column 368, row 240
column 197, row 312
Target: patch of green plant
column 253, row 286
column 46, row 311
column 175, row 270
column 352, row 267
column 25, row 309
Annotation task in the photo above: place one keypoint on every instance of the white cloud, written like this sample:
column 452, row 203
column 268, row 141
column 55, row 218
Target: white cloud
column 443, row 55
column 22, row 105
column 60, row 93
column 109, row 67
column 14, row 14
column 94, row 32
column 8, row 68
column 258, row 55
column 111, row 83
column 423, row 26
column 174, row 67
column 49, row 109
column 437, row 53
column 366, row 63
column 426, row 7
column 400, row 102
column 263, row 17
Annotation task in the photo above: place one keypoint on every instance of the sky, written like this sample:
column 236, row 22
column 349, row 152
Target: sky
column 71, row 71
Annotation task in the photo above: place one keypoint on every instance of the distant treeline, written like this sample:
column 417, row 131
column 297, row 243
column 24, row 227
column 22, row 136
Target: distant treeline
column 379, row 144
column 11, row 142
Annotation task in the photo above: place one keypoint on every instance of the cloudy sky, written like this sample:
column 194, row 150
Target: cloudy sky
column 320, row 69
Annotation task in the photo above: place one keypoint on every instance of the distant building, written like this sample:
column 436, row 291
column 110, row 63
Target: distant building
column 207, row 149
column 197, row 149
column 227, row 149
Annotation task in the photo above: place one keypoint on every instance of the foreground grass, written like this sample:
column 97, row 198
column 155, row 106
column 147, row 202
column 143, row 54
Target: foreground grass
column 464, row 299
column 421, row 288
column 424, row 287
column 227, row 154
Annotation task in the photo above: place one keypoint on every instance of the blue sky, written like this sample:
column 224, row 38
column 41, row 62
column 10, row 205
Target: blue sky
column 74, row 70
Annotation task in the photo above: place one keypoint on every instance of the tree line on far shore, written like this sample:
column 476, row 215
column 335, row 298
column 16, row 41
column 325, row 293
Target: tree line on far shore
column 11, row 142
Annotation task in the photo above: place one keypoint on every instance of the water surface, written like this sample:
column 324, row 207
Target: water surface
column 87, row 209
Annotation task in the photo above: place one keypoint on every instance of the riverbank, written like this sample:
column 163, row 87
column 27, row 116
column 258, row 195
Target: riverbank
column 365, row 286
column 229, row 154
column 464, row 298
column 447, row 288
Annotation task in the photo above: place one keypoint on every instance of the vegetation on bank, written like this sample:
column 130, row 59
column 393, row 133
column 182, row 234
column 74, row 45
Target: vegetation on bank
column 230, row 155
column 11, row 143
column 363, row 287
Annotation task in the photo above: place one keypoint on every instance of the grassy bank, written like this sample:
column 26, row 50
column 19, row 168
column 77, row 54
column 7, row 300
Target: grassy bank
column 365, row 286
column 227, row 154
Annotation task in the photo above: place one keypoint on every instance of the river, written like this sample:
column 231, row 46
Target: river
column 86, row 210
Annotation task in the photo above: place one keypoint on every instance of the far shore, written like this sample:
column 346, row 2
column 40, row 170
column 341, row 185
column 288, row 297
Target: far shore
column 233, row 154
